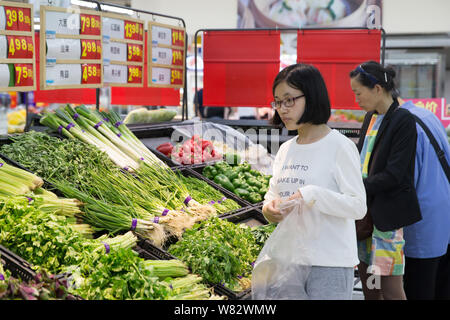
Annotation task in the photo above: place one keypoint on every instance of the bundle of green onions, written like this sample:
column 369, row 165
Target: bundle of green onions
column 113, row 217
column 105, row 131
column 15, row 181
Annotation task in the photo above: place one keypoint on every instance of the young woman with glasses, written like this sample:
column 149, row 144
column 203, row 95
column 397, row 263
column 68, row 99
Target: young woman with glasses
column 387, row 145
column 321, row 166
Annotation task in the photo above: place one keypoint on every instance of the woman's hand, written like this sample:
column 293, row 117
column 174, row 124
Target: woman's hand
column 297, row 195
column 271, row 211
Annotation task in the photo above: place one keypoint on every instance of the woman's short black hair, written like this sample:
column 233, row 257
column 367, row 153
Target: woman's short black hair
column 371, row 73
column 309, row 80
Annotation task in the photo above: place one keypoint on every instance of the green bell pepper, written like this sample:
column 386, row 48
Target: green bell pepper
column 245, row 166
column 241, row 193
column 231, row 174
column 237, row 183
column 254, row 197
column 253, row 182
column 224, row 182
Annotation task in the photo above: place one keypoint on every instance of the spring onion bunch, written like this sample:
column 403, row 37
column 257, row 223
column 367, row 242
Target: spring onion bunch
column 113, row 121
column 111, row 217
column 82, row 128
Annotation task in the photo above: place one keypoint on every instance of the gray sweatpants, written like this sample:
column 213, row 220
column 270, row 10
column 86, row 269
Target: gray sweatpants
column 329, row 283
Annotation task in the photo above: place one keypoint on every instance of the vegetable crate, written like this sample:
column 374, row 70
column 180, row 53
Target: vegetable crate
column 249, row 216
column 199, row 171
column 19, row 267
column 191, row 172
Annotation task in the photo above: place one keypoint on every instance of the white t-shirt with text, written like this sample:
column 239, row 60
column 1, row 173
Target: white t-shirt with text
column 328, row 174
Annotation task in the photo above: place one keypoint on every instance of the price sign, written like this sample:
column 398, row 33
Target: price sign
column 89, row 24
column 135, row 52
column 90, row 74
column 20, row 47
column 178, row 38
column 161, row 76
column 162, row 55
column 64, row 49
column 176, row 76
column 18, row 19
column 177, row 57
column 116, row 74
column 91, row 49
column 3, row 47
column 161, row 35
column 134, row 74
column 23, row 75
column 61, row 23
column 134, row 30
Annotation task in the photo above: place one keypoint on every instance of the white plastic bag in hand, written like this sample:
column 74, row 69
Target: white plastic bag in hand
column 283, row 265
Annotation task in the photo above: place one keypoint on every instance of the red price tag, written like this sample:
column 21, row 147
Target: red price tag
column 90, row 73
column 176, row 77
column 177, row 37
column 135, row 52
column 18, row 19
column 134, row 74
column 20, row 47
column 90, row 24
column 23, row 75
column 134, row 30
column 177, row 57
column 91, row 49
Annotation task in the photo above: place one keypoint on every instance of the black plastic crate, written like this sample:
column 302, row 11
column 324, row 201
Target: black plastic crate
column 189, row 172
column 199, row 170
column 250, row 216
column 19, row 267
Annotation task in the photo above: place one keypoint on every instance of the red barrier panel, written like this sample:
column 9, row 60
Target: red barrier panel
column 239, row 67
column 335, row 53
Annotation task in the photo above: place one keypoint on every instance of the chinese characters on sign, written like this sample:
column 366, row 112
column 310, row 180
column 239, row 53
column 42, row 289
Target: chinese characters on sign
column 435, row 105
column 167, row 53
column 71, row 53
column 124, row 61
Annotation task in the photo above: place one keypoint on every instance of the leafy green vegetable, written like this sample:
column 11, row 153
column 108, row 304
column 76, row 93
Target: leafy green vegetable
column 217, row 250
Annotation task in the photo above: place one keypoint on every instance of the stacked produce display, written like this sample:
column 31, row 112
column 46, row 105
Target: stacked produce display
column 239, row 178
column 94, row 191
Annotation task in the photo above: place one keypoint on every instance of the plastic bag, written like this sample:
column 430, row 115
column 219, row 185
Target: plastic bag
column 228, row 140
column 284, row 263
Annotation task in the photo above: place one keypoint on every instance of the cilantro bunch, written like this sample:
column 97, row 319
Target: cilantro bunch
column 217, row 250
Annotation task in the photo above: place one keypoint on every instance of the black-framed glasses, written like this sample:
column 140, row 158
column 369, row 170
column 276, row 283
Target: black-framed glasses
column 288, row 102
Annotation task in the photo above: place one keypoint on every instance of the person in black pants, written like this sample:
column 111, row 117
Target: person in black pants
column 426, row 242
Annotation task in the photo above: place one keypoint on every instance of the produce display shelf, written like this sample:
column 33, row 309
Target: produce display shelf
column 198, row 169
column 249, row 216
column 187, row 171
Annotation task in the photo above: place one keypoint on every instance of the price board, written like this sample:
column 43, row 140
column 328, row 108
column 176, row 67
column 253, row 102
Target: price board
column 167, row 55
column 17, row 52
column 123, row 43
column 71, row 48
